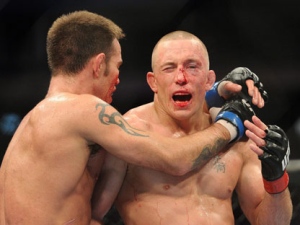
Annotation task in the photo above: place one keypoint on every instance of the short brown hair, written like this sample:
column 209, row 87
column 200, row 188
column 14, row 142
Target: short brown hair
column 76, row 37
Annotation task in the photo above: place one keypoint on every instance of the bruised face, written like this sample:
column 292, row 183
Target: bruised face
column 110, row 77
column 180, row 77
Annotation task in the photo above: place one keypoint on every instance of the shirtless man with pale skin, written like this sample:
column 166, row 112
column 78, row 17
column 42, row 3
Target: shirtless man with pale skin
column 53, row 161
column 180, row 66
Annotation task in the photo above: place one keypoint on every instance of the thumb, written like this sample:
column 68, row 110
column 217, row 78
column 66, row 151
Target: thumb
column 227, row 88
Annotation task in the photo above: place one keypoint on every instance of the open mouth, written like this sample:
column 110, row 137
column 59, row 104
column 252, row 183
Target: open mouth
column 182, row 97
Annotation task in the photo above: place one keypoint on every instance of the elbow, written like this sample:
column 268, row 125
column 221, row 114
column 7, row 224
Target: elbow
column 179, row 168
column 97, row 214
column 96, row 219
column 96, row 222
column 179, row 172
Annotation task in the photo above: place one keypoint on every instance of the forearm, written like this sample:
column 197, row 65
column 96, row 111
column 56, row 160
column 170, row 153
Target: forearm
column 175, row 156
column 273, row 150
column 208, row 143
column 275, row 209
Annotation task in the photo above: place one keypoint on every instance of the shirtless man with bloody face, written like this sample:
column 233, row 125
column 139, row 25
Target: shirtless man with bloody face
column 54, row 160
column 180, row 80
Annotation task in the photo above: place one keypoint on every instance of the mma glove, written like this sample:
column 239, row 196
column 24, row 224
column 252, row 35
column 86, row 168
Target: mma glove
column 235, row 112
column 275, row 159
column 239, row 76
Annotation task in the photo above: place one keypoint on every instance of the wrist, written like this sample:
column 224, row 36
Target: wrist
column 230, row 127
column 233, row 121
column 277, row 186
column 212, row 97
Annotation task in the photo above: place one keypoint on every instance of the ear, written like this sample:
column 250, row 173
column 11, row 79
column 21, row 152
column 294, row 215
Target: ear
column 152, row 81
column 211, row 79
column 99, row 64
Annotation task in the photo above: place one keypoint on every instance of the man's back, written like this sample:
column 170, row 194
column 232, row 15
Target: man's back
column 44, row 178
column 202, row 196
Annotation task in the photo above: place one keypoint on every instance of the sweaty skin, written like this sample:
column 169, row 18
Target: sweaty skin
column 202, row 196
column 55, row 157
column 49, row 190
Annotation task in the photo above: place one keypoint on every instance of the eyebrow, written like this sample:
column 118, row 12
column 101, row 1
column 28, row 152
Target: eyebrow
column 192, row 60
column 198, row 62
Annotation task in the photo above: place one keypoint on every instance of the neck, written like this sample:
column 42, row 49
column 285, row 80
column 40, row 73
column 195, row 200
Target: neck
column 69, row 84
column 183, row 124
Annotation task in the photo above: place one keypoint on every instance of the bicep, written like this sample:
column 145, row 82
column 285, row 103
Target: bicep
column 104, row 125
column 108, row 128
column 250, row 189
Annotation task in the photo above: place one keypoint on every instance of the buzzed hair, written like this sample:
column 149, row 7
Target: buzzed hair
column 76, row 37
column 177, row 35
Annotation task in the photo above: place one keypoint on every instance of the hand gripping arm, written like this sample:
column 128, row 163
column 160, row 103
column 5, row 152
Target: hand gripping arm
column 236, row 111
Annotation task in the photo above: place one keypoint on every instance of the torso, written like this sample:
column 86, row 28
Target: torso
column 48, row 173
column 202, row 196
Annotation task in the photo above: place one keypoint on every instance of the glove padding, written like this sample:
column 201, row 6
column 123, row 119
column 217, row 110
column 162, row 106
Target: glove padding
column 276, row 154
column 236, row 111
column 239, row 76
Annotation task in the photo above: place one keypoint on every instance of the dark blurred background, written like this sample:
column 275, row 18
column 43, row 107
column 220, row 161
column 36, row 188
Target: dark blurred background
column 261, row 35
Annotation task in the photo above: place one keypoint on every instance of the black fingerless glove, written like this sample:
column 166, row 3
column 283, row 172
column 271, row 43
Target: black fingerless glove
column 236, row 111
column 238, row 76
column 275, row 159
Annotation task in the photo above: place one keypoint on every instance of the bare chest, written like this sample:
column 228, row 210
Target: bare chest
column 217, row 179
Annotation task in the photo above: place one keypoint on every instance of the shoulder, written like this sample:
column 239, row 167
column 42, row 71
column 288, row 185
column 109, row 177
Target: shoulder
column 141, row 116
column 248, row 155
column 241, row 150
column 66, row 109
column 73, row 103
column 250, row 165
column 67, row 100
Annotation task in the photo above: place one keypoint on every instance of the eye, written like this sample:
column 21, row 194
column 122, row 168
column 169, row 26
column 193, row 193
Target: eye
column 168, row 69
column 192, row 66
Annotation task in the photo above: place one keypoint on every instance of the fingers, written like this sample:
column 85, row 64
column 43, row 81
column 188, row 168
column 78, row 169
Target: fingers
column 257, row 99
column 253, row 91
column 256, row 132
column 257, row 127
column 259, row 123
column 227, row 88
column 257, row 142
column 256, row 149
column 230, row 86
column 256, row 139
